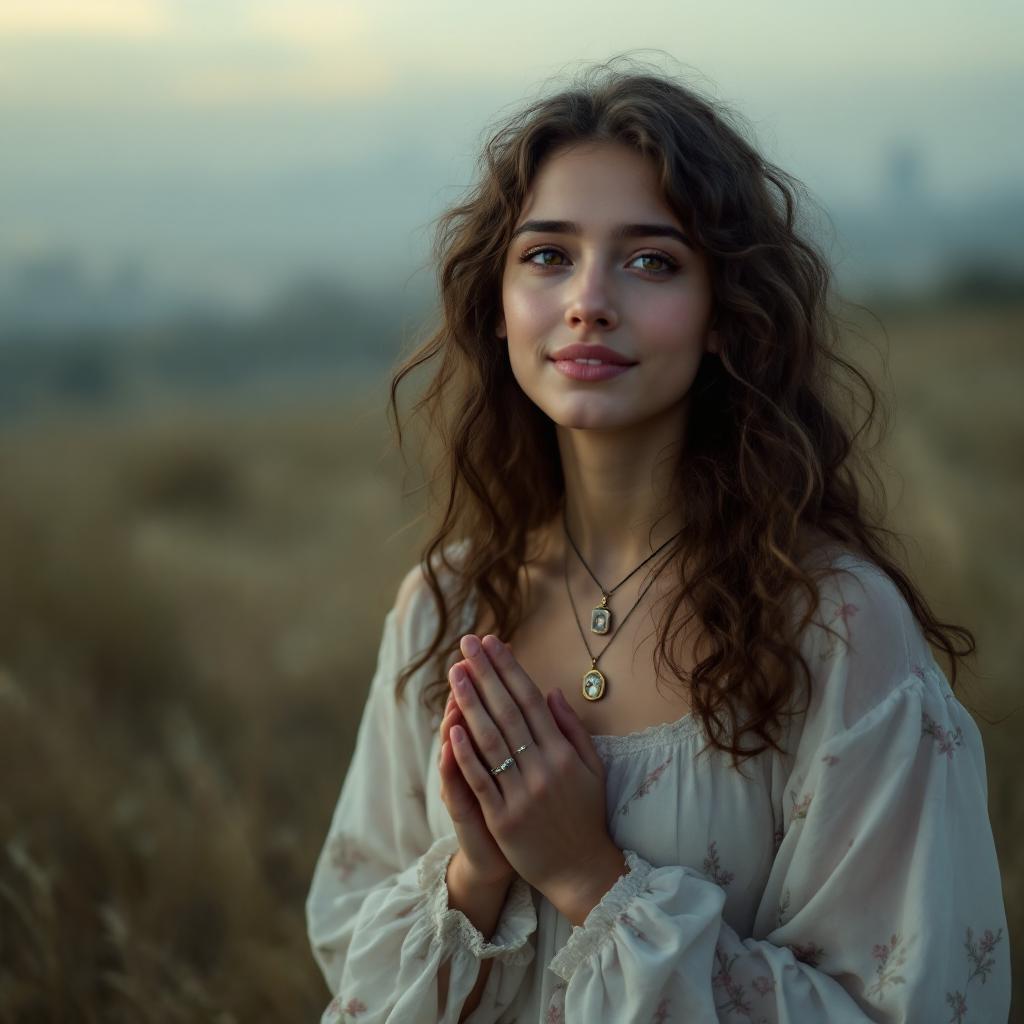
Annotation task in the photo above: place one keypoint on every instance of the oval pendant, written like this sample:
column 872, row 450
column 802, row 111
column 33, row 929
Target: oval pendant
column 593, row 685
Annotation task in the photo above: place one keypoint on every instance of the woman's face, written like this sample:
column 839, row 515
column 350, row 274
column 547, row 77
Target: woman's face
column 606, row 307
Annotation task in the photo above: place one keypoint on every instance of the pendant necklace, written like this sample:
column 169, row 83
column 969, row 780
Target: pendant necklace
column 601, row 616
column 594, row 682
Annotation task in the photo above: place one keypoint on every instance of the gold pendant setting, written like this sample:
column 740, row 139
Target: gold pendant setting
column 593, row 685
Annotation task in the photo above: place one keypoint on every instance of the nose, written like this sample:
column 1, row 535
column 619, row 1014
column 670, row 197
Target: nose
column 591, row 305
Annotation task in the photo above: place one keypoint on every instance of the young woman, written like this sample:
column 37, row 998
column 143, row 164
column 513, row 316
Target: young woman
column 710, row 770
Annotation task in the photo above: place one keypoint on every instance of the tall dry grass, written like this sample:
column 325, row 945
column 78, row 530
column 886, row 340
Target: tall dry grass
column 189, row 610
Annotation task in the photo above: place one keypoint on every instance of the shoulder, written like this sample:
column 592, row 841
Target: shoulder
column 863, row 644
column 416, row 612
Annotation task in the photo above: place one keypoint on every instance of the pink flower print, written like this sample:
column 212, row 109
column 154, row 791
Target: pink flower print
column 780, row 834
column 763, row 985
column 345, row 856
column 782, row 909
column 650, row 781
column 628, row 923
column 845, row 612
column 723, row 979
column 830, row 759
column 335, row 1012
column 946, row 740
column 801, row 806
column 978, row 955
column 890, row 956
column 958, row 1003
column 809, row 953
column 556, row 1012
column 713, row 868
column 661, row 1013
column 918, row 671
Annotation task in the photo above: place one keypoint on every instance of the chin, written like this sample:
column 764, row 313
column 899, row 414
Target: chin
column 591, row 415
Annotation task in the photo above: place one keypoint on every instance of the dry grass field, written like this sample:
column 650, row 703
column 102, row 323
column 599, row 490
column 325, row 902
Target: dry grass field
column 190, row 601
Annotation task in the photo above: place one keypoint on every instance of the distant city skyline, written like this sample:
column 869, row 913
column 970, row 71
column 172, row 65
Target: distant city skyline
column 241, row 144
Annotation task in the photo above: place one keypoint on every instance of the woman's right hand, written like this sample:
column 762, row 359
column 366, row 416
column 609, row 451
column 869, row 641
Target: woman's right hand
column 479, row 862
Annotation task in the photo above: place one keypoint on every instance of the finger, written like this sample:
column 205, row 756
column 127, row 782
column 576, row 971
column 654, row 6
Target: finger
column 493, row 750
column 452, row 714
column 460, row 800
column 523, row 691
column 572, row 727
column 500, row 704
column 477, row 777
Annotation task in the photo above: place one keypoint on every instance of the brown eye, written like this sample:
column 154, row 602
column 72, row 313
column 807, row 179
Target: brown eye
column 650, row 262
column 548, row 258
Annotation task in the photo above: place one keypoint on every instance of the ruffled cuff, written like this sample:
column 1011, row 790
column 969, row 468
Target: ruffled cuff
column 596, row 930
column 454, row 931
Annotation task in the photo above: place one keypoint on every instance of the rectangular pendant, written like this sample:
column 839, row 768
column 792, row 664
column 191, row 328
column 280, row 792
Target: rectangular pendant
column 593, row 685
column 600, row 620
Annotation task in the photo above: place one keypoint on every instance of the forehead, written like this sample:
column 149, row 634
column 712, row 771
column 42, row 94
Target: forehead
column 597, row 186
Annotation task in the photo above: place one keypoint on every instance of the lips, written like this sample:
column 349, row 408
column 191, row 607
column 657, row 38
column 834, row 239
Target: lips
column 591, row 354
column 590, row 363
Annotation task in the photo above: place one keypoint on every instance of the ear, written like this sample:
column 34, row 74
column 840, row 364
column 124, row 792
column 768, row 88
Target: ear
column 713, row 342
column 501, row 330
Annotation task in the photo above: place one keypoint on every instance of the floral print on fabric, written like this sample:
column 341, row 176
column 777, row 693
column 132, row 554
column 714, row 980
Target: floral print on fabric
column 346, row 856
column 891, row 956
column 782, row 909
column 800, row 804
column 650, row 781
column 556, row 1012
column 337, row 1013
column 809, row 953
column 630, row 925
column 723, row 980
column 713, row 867
column 979, row 965
column 946, row 740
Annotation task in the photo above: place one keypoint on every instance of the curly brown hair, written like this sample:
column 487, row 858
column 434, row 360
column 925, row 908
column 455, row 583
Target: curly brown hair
column 775, row 444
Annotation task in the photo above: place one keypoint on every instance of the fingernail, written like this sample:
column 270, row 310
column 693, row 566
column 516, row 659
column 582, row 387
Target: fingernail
column 457, row 734
column 560, row 697
column 458, row 679
column 470, row 646
column 493, row 645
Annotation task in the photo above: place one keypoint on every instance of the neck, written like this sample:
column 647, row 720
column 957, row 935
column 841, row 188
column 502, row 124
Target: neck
column 617, row 483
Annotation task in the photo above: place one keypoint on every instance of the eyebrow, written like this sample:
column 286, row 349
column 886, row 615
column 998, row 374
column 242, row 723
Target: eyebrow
column 566, row 227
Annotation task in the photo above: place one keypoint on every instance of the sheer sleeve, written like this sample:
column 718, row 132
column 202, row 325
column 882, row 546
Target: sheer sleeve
column 884, row 901
column 377, row 912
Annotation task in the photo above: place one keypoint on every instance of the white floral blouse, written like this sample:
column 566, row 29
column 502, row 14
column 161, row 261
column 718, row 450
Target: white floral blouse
column 853, row 878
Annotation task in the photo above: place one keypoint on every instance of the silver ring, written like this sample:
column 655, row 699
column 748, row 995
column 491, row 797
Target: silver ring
column 519, row 750
column 507, row 763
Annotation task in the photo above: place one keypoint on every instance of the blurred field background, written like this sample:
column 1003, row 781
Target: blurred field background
column 210, row 221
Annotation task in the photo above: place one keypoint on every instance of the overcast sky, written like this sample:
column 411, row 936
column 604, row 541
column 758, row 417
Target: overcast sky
column 285, row 136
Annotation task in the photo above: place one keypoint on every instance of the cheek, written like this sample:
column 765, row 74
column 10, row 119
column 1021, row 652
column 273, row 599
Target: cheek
column 673, row 325
column 530, row 312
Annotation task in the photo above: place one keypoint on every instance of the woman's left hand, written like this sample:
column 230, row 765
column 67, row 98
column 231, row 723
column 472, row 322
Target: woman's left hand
column 547, row 810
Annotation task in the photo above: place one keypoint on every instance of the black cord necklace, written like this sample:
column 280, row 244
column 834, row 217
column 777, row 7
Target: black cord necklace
column 594, row 682
column 601, row 616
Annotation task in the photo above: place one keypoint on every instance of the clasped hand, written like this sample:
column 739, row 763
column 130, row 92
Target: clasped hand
column 543, row 817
